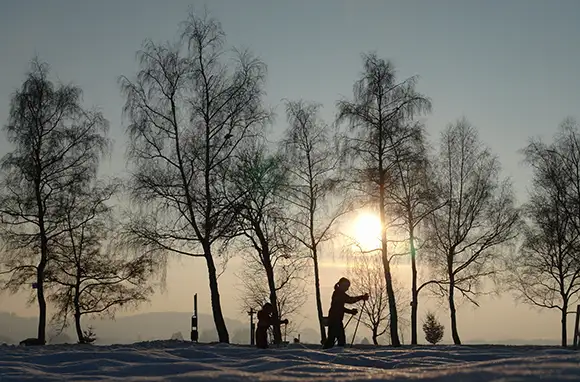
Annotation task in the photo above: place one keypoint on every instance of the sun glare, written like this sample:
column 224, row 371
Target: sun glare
column 368, row 232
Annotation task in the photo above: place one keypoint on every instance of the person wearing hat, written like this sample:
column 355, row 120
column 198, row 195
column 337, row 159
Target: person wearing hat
column 265, row 320
column 337, row 311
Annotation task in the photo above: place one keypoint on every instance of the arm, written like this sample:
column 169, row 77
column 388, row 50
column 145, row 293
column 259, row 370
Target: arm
column 352, row 299
column 264, row 320
column 274, row 321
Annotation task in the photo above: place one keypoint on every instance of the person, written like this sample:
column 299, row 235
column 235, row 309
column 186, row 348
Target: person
column 265, row 320
column 337, row 311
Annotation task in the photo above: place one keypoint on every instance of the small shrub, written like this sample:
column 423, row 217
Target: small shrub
column 89, row 336
column 433, row 329
column 177, row 336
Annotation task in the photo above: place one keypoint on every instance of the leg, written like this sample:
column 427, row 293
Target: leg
column 331, row 336
column 341, row 335
column 262, row 338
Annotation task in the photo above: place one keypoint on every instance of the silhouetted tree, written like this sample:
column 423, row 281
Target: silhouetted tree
column 291, row 293
column 189, row 111
column 57, row 145
column 412, row 195
column 90, row 274
column 312, row 161
column 433, row 329
column 367, row 276
column 262, row 223
column 379, row 115
column 546, row 271
column 466, row 236
column 89, row 335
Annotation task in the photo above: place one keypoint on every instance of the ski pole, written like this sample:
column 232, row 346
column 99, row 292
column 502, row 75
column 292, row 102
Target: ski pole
column 351, row 316
column 358, row 322
column 345, row 326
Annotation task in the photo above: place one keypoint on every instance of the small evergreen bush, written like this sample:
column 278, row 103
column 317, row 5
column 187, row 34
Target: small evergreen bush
column 433, row 329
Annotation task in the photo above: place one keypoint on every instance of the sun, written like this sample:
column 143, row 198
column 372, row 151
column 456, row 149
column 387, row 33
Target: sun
column 367, row 229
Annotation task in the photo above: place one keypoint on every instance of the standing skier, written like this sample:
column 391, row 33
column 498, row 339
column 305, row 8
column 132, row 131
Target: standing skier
column 265, row 320
column 337, row 310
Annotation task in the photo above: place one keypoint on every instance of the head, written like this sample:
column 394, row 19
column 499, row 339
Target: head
column 343, row 284
column 268, row 308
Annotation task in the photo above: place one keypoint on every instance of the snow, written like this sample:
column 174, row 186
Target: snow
column 179, row 360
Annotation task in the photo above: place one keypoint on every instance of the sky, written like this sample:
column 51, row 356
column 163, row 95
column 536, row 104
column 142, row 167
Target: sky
column 510, row 67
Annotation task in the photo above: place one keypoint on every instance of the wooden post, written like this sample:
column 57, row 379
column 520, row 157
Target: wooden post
column 251, row 314
column 194, row 328
column 576, row 334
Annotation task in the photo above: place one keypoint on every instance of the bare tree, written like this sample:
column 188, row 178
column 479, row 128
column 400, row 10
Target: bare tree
column 312, row 164
column 367, row 276
column 467, row 236
column 90, row 273
column 262, row 221
column 546, row 271
column 291, row 293
column 57, row 145
column 379, row 116
column 189, row 111
column 412, row 198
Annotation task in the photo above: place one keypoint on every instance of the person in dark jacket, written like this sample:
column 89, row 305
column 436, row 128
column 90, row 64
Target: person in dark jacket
column 265, row 320
column 337, row 311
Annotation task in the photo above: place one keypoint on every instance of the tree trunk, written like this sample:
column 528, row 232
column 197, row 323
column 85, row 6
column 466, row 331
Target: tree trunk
column 273, row 298
column 41, row 335
column 454, row 332
column 77, row 314
column 216, row 307
column 414, row 311
column 318, row 297
column 41, row 300
column 564, row 324
column 79, row 329
column 393, row 324
column 375, row 337
column 414, row 293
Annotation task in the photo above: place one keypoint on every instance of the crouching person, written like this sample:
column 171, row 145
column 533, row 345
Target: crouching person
column 337, row 311
column 265, row 320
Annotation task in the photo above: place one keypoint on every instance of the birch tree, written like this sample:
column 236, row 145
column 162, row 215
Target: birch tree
column 545, row 273
column 57, row 145
column 262, row 224
column 313, row 192
column 379, row 117
column 189, row 110
column 468, row 237
column 91, row 274
column 412, row 197
column 367, row 276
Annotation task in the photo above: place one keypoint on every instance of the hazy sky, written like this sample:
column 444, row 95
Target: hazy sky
column 510, row 67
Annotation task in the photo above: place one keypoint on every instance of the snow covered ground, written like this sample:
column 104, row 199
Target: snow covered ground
column 176, row 361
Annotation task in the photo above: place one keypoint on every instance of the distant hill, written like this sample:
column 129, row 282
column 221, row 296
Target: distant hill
column 6, row 340
column 516, row 341
column 14, row 329
column 127, row 329
column 309, row 336
column 163, row 325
